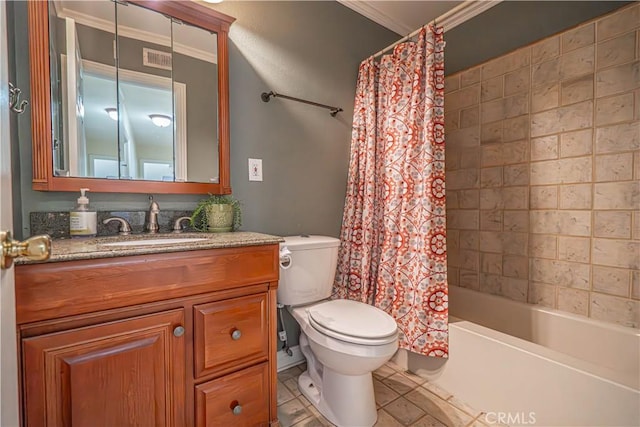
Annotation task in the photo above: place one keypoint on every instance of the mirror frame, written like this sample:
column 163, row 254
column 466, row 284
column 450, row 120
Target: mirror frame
column 41, row 133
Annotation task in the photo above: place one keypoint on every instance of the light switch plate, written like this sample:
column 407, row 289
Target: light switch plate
column 255, row 169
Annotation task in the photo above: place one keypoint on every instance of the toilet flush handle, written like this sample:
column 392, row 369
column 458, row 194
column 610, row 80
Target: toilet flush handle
column 285, row 258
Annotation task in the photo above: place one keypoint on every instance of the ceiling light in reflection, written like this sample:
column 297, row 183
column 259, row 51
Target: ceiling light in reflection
column 113, row 113
column 160, row 120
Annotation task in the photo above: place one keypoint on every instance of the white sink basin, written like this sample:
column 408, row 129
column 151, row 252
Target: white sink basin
column 154, row 242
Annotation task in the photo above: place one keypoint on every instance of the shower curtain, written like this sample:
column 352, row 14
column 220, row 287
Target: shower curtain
column 393, row 238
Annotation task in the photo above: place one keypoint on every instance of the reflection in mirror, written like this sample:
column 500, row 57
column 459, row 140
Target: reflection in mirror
column 135, row 101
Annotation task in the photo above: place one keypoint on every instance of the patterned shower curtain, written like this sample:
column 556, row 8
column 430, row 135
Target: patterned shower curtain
column 393, row 238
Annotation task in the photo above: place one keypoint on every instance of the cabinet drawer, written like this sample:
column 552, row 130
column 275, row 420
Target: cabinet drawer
column 230, row 333
column 238, row 399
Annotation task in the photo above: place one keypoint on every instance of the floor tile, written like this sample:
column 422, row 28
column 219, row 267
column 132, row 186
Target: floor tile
column 292, row 385
column 437, row 390
column 292, row 372
column 439, row 409
column 404, row 411
column 427, row 421
column 292, row 412
column 455, row 401
column 383, row 372
column 399, row 383
column 383, row 393
column 386, row 420
column 284, row 394
column 413, row 377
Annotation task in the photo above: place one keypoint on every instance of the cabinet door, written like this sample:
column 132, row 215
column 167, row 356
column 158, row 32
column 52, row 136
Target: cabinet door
column 238, row 399
column 124, row 373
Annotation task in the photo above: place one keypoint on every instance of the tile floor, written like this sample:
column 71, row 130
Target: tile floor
column 403, row 399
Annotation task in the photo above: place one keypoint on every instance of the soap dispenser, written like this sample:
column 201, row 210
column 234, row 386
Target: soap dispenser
column 83, row 221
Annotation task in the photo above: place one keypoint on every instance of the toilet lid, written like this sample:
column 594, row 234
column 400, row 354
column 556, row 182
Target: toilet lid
column 353, row 321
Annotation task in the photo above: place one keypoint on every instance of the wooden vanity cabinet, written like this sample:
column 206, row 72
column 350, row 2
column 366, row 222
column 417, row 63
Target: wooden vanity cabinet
column 123, row 341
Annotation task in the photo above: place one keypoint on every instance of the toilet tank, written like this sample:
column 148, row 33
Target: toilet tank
column 307, row 273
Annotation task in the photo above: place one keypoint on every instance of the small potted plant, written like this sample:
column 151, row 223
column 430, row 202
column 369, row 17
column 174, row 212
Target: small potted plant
column 217, row 214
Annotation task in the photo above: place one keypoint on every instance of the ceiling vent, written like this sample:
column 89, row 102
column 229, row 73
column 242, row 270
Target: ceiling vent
column 156, row 59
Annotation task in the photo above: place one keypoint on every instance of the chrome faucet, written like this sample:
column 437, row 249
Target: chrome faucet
column 125, row 228
column 154, row 210
column 177, row 225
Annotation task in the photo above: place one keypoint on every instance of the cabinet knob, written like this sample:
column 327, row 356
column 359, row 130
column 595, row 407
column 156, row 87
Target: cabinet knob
column 236, row 334
column 178, row 331
column 237, row 409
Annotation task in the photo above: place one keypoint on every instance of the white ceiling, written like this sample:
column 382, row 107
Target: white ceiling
column 404, row 17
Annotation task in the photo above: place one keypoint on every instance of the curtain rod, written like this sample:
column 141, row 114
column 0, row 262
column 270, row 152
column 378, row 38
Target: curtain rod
column 475, row 9
column 267, row 95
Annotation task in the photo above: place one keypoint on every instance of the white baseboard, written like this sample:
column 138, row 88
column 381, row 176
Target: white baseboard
column 285, row 361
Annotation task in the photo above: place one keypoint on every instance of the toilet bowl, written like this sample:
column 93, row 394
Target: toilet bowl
column 343, row 341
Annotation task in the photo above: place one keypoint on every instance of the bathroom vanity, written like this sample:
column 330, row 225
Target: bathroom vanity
column 165, row 335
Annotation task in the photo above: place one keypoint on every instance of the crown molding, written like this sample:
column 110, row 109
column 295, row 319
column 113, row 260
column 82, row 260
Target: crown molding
column 454, row 17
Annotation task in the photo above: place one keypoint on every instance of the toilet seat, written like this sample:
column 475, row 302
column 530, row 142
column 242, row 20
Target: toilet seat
column 353, row 322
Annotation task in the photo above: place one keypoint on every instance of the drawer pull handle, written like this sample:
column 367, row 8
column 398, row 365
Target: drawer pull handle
column 178, row 331
column 236, row 334
column 237, row 409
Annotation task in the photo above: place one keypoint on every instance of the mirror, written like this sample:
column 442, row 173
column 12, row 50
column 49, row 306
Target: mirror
column 129, row 97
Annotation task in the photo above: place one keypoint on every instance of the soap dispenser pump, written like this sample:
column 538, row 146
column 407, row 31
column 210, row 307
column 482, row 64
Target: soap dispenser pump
column 83, row 221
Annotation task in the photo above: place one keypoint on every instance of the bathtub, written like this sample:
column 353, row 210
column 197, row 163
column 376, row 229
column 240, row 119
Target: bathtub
column 528, row 365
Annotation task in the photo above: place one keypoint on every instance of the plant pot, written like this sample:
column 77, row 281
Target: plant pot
column 219, row 218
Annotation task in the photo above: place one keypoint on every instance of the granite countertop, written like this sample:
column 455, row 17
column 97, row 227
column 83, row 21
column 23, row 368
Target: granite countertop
column 96, row 247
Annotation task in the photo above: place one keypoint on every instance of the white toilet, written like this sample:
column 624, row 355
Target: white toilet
column 343, row 341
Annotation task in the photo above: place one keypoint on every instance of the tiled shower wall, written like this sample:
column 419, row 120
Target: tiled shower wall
column 543, row 172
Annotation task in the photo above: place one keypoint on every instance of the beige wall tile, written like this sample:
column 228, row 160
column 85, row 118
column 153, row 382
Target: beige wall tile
column 452, row 159
column 546, row 72
column 463, row 219
column 453, row 275
column 635, row 284
column 618, row 23
column 544, row 148
column 491, row 132
column 616, row 51
column 576, row 249
column 515, row 266
column 490, row 283
column 516, row 81
column 562, row 171
column 469, row 260
column 545, row 97
column 516, row 221
column 617, row 138
column 577, row 62
column 461, row 138
column 614, row 167
column 543, row 197
column 614, row 109
column 490, row 241
column 618, row 195
column 504, row 108
column 563, row 119
column 545, row 50
column 491, row 177
column 515, row 152
column 621, row 78
column 462, row 179
column 469, row 77
column 615, row 309
column 451, row 83
column 516, row 174
column 491, row 263
column 470, row 158
column 515, row 243
column 451, row 120
column 469, row 279
column 616, row 253
column 469, row 239
column 491, row 198
column 577, row 143
column 577, row 196
column 470, row 116
column 577, row 89
column 491, row 89
column 561, row 273
column 515, row 128
column 578, row 37
column 570, row 223
column 506, row 63
column 637, row 92
column 614, row 281
column 463, row 98
column 542, row 294
column 452, row 199
column 614, row 224
column 636, row 225
column 573, row 301
column 514, row 289
column 492, row 155
column 468, row 199
column 491, row 220
column 515, row 197
column 543, row 246
column 636, row 165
